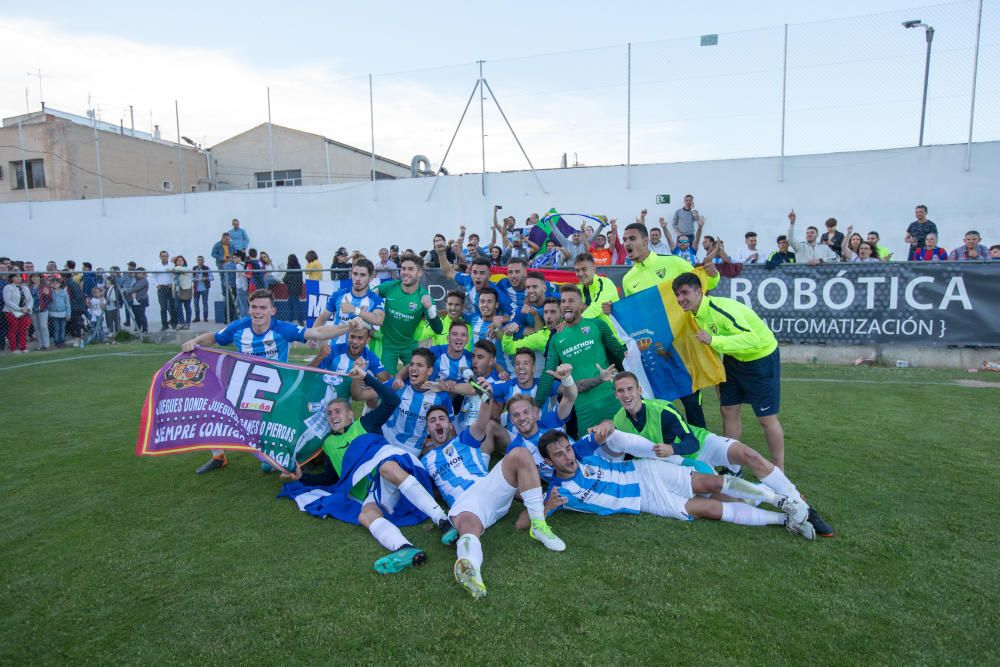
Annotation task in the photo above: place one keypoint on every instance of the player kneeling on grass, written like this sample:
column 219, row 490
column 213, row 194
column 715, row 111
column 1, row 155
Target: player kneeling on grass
column 479, row 497
column 378, row 486
column 588, row 480
column 659, row 422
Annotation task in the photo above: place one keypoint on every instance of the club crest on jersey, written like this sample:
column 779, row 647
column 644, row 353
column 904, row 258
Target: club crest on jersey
column 660, row 273
column 449, row 451
column 585, row 330
column 185, row 373
column 412, row 306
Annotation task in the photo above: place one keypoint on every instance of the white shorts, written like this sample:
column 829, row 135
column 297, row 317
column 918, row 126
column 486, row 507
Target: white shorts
column 388, row 494
column 489, row 498
column 715, row 451
column 664, row 488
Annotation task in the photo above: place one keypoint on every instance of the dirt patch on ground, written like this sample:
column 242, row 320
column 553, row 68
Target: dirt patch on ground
column 978, row 383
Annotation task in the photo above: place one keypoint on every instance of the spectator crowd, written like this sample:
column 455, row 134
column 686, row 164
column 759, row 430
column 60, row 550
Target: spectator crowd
column 69, row 305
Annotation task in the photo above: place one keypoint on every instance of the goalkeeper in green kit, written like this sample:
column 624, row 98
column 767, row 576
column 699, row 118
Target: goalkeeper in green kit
column 591, row 348
column 406, row 304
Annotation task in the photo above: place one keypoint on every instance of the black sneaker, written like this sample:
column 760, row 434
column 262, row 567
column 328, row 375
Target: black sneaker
column 449, row 534
column 823, row 529
column 213, row 463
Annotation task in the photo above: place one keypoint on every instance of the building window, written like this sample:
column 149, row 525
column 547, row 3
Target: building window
column 36, row 174
column 382, row 176
column 282, row 179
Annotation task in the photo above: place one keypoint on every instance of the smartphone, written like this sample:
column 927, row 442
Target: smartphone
column 499, row 207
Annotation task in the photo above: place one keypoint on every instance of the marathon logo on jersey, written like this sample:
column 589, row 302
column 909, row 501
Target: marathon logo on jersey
column 185, row 373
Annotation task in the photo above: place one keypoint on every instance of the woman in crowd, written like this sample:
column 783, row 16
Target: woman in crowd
column 58, row 310
column 856, row 250
column 41, row 294
column 138, row 297
column 17, row 307
column 314, row 268
column 270, row 277
column 183, row 291
column 496, row 256
column 293, row 283
column 850, row 245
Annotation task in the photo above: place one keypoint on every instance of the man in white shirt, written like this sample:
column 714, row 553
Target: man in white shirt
column 810, row 252
column 164, row 281
column 748, row 254
column 385, row 268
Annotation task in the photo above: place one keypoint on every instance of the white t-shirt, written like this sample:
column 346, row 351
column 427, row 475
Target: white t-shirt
column 746, row 256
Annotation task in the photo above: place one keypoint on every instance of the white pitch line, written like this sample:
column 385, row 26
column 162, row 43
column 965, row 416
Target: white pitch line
column 85, row 357
column 953, row 383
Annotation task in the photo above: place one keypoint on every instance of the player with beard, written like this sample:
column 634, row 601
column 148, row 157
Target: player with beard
column 478, row 496
column 537, row 341
column 356, row 301
column 590, row 347
column 454, row 308
column 406, row 304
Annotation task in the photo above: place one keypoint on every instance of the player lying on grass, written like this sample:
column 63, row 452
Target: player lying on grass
column 588, row 480
column 658, row 421
column 371, row 483
column 478, row 496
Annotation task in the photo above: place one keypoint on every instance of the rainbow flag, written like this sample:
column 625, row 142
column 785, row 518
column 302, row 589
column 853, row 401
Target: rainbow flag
column 662, row 349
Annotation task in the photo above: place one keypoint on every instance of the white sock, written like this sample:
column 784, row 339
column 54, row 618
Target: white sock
column 534, row 502
column 217, row 452
column 421, row 499
column 471, row 548
column 735, row 467
column 388, row 534
column 777, row 481
column 740, row 488
column 750, row 516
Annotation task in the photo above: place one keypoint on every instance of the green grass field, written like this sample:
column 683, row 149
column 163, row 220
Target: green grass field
column 109, row 558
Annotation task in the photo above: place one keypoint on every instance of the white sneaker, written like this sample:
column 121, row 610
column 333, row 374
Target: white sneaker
column 467, row 575
column 805, row 529
column 541, row 532
column 797, row 510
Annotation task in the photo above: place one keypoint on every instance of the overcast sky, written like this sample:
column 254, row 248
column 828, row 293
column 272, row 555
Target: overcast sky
column 558, row 70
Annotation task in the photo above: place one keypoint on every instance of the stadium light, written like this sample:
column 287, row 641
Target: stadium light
column 929, row 34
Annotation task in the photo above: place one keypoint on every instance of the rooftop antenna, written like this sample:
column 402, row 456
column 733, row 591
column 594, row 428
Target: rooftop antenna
column 41, row 95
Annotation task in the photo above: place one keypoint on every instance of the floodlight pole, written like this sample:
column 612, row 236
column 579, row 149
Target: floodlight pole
column 482, row 127
column 371, row 119
column 24, row 167
column 270, row 150
column 972, row 103
column 929, row 32
column 180, row 157
column 784, row 87
column 100, row 175
column 628, row 118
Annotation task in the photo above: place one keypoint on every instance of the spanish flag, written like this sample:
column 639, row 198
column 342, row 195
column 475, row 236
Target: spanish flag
column 662, row 349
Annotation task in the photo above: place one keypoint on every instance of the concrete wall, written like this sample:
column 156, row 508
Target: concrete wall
column 130, row 166
column 872, row 190
column 239, row 158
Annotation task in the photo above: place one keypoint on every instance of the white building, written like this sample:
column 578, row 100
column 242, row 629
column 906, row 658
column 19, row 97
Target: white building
column 300, row 158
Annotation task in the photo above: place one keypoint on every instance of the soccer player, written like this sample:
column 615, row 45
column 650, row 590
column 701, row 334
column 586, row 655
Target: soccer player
column 588, row 345
column 355, row 301
column 472, row 282
column 597, row 290
column 454, row 307
column 524, row 380
column 590, row 478
column 259, row 335
column 479, row 497
column 530, row 317
column 649, row 270
column 750, row 356
column 537, row 340
column 364, row 483
column 530, row 423
column 513, row 286
column 452, row 358
column 406, row 304
column 407, row 428
column 341, row 357
column 487, row 324
column 659, row 422
column 484, row 366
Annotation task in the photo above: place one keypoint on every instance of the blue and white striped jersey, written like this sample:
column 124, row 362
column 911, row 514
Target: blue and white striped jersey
column 272, row 344
column 340, row 360
column 371, row 301
column 600, row 485
column 515, row 297
column 547, row 422
column 464, row 281
column 505, row 391
column 446, row 368
column 456, row 466
column 469, row 410
column 407, row 427
column 480, row 331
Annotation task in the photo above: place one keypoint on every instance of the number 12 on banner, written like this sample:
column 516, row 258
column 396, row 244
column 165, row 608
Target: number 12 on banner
column 244, row 386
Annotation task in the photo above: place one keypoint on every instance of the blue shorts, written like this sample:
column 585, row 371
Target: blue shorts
column 756, row 382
